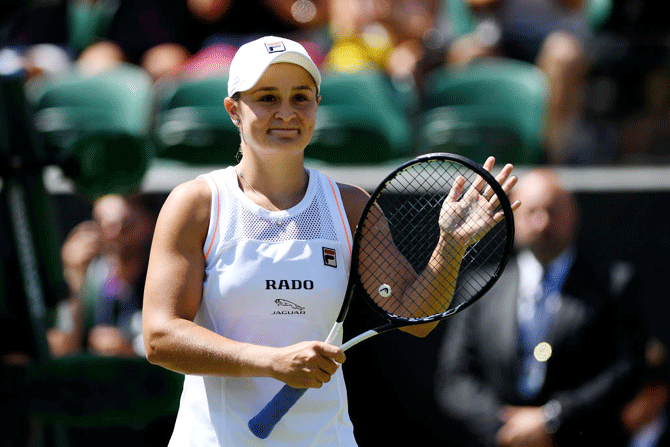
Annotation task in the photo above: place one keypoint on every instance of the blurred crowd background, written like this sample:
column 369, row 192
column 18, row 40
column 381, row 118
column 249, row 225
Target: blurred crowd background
column 108, row 90
column 600, row 96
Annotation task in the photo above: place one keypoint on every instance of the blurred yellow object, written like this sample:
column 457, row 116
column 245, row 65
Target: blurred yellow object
column 364, row 51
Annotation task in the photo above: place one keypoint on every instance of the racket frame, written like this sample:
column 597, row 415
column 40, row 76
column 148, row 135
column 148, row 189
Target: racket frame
column 395, row 321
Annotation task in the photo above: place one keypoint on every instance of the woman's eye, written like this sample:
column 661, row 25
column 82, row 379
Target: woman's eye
column 302, row 98
column 267, row 98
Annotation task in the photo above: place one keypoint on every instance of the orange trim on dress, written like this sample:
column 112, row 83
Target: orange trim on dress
column 216, row 224
column 346, row 233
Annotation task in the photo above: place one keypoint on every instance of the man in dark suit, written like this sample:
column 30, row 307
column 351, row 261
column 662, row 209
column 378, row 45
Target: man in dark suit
column 548, row 356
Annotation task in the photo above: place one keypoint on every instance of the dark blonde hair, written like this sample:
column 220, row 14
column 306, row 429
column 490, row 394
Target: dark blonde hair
column 238, row 156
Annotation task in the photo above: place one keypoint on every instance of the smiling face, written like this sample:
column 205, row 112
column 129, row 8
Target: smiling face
column 279, row 112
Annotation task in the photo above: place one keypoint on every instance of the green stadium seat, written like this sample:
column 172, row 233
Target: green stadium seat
column 88, row 21
column 492, row 106
column 362, row 119
column 459, row 16
column 598, row 12
column 99, row 127
column 473, row 131
column 193, row 126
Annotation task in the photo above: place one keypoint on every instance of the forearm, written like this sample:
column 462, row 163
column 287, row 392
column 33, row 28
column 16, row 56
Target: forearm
column 441, row 274
column 424, row 294
column 439, row 280
column 432, row 291
column 185, row 347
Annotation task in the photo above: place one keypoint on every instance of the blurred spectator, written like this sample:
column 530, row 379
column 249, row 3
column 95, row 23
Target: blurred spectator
column 147, row 33
column 104, row 262
column 388, row 35
column 549, row 33
column 549, row 356
column 644, row 416
column 646, row 135
column 215, row 29
column 94, row 35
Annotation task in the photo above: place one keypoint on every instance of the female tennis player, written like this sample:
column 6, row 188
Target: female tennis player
column 249, row 266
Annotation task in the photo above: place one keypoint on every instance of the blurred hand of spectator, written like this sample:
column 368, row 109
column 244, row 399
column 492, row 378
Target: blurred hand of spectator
column 523, row 427
column 81, row 246
column 109, row 341
column 647, row 404
column 651, row 400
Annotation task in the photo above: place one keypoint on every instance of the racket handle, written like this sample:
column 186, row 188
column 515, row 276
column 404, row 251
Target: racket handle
column 262, row 424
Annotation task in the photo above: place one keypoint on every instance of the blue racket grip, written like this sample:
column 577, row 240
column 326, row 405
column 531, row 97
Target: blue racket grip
column 262, row 424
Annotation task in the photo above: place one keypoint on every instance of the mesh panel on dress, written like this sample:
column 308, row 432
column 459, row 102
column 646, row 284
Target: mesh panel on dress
column 313, row 222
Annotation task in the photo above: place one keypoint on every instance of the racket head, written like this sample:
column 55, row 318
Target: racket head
column 411, row 199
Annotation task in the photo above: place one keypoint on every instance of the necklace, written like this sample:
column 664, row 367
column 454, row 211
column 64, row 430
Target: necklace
column 262, row 199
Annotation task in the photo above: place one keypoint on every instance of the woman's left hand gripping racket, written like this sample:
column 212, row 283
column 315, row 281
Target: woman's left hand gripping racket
column 432, row 239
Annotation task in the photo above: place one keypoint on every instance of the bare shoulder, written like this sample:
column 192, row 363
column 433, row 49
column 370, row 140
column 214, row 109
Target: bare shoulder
column 354, row 199
column 187, row 208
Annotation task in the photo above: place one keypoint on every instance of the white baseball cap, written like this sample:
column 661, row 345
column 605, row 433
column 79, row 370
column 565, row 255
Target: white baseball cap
column 253, row 58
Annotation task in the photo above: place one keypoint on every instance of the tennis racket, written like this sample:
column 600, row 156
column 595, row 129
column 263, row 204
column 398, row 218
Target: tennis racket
column 433, row 238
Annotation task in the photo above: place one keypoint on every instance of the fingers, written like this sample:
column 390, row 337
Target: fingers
column 456, row 189
column 488, row 167
column 328, row 362
column 504, row 178
column 489, row 163
column 331, row 352
column 309, row 364
column 506, row 181
column 479, row 183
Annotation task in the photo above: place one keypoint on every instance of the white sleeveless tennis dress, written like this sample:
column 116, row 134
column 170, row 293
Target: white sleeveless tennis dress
column 273, row 279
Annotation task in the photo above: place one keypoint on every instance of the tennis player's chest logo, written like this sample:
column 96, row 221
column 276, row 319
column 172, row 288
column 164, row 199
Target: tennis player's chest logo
column 329, row 257
column 288, row 308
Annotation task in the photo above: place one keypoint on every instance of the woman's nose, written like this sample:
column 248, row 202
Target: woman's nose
column 285, row 111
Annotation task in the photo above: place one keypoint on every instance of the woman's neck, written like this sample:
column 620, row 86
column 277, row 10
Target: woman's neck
column 279, row 186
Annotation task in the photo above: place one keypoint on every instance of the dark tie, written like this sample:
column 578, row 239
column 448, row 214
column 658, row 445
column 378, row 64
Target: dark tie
column 534, row 334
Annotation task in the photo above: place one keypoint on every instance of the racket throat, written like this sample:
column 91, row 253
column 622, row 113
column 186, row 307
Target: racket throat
column 335, row 332
column 359, row 338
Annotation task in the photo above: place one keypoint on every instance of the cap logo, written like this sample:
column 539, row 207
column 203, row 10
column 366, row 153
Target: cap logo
column 275, row 47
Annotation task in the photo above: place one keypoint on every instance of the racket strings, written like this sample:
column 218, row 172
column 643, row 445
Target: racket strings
column 410, row 207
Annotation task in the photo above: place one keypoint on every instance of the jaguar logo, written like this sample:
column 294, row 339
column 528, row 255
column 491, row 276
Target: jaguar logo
column 292, row 305
column 293, row 308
